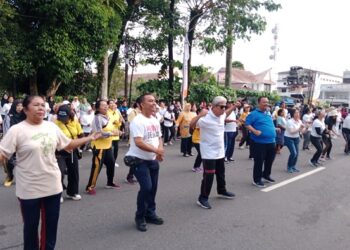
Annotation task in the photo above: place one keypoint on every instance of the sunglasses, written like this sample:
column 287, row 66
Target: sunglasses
column 221, row 106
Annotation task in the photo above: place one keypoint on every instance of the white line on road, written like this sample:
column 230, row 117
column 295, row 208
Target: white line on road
column 283, row 183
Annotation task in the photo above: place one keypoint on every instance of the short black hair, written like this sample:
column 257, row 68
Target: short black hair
column 261, row 97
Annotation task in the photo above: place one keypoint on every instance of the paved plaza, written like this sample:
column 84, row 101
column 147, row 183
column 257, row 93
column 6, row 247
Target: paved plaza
column 309, row 212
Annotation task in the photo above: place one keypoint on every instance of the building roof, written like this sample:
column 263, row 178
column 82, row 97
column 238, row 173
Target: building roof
column 240, row 76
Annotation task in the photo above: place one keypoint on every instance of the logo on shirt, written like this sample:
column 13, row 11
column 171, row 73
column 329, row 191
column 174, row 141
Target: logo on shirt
column 152, row 131
column 46, row 142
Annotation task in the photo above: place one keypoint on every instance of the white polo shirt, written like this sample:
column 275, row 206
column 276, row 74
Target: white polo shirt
column 212, row 136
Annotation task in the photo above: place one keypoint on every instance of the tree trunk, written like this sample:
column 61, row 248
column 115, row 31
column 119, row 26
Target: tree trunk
column 228, row 71
column 33, row 85
column 194, row 17
column 104, row 84
column 170, row 49
column 53, row 87
column 115, row 56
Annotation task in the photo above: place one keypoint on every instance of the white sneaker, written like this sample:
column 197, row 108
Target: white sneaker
column 76, row 197
column 116, row 165
column 61, row 200
column 241, row 147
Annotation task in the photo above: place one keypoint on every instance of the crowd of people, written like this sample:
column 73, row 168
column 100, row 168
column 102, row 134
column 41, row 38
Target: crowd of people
column 43, row 142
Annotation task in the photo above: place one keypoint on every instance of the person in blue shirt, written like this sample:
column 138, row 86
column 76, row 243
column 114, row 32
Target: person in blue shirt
column 263, row 137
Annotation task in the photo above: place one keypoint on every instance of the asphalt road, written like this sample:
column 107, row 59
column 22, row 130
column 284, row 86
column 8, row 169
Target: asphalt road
column 310, row 213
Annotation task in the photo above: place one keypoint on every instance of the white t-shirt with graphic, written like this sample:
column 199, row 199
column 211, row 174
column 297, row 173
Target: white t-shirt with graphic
column 147, row 128
column 37, row 171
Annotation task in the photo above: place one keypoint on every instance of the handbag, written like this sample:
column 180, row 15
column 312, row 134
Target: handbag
column 132, row 161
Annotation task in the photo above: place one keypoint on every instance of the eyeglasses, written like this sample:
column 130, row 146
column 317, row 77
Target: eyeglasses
column 221, row 106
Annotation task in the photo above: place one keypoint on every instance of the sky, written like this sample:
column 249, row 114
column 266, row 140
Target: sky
column 312, row 34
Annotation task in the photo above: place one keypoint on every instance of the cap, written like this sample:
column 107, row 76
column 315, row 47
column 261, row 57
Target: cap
column 65, row 102
column 333, row 113
column 63, row 113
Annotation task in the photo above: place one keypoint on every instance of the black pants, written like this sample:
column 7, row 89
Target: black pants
column 264, row 155
column 115, row 146
column 186, row 145
column 317, row 142
column 169, row 133
column 48, row 208
column 73, row 174
column 346, row 135
column 198, row 161
column 245, row 137
column 212, row 167
column 9, row 167
column 327, row 140
column 100, row 157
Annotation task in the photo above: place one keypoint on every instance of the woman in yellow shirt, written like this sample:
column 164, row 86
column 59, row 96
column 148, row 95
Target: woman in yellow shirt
column 72, row 129
column 102, row 148
column 183, row 122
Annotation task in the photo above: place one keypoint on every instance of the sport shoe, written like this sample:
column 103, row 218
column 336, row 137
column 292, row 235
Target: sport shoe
column 91, row 191
column 8, row 182
column 230, row 159
column 225, row 160
column 290, row 170
column 154, row 220
column 61, row 200
column 141, row 224
column 259, row 184
column 313, row 164
column 116, row 165
column 322, row 159
column 296, row 170
column 269, row 179
column 199, row 170
column 170, row 143
column 111, row 186
column 241, row 147
column 203, row 203
column 165, row 144
column 227, row 195
column 76, row 197
column 130, row 181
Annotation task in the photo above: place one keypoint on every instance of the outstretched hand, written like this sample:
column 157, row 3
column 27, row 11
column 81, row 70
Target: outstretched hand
column 95, row 135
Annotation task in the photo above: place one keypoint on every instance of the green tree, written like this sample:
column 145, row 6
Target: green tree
column 56, row 38
column 232, row 20
column 237, row 65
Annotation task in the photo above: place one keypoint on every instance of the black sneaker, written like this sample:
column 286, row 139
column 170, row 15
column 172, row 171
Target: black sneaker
column 259, row 184
column 141, row 224
column 269, row 180
column 154, row 220
column 227, row 195
column 203, row 203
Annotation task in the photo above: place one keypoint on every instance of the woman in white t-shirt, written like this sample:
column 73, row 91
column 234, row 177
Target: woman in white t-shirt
column 294, row 127
column 38, row 176
column 317, row 129
column 307, row 121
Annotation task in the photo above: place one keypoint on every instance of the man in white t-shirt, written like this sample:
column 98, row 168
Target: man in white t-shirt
column 212, row 147
column 146, row 149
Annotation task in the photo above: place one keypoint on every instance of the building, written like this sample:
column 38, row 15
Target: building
column 306, row 83
column 336, row 94
column 243, row 79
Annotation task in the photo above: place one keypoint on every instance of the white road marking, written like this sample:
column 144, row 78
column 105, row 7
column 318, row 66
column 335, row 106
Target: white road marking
column 286, row 182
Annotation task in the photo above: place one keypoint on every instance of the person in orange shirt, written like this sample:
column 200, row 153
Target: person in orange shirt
column 183, row 122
